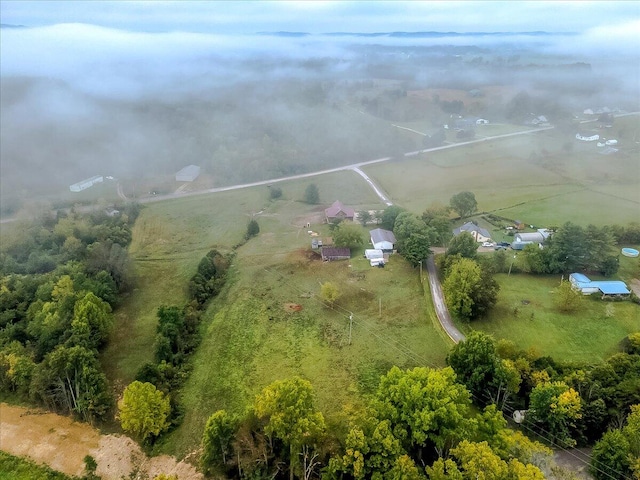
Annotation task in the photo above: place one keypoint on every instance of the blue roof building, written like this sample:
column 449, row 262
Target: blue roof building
column 586, row 286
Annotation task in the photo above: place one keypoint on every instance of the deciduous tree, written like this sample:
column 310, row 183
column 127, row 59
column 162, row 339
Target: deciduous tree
column 312, row 194
column 348, row 234
column 217, row 440
column 144, row 410
column 464, row 203
column 288, row 408
column 464, row 245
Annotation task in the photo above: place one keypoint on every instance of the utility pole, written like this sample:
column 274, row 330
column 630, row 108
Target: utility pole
column 350, row 326
column 380, row 307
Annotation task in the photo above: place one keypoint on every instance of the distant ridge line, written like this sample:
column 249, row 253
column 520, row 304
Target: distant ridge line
column 428, row 34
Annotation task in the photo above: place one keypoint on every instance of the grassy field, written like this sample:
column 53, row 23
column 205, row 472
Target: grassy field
column 250, row 335
column 16, row 468
column 525, row 313
column 270, row 323
column 544, row 178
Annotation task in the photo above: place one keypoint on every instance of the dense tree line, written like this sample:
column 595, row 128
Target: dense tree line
column 417, row 425
column 573, row 248
column 569, row 404
column 177, row 337
column 61, row 277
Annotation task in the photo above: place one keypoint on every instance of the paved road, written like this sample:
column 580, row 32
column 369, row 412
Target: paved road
column 438, row 302
column 375, row 187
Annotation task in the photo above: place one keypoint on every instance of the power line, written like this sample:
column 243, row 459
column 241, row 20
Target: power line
column 347, row 314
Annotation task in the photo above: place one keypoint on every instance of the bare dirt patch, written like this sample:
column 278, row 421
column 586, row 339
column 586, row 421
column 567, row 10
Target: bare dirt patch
column 292, row 307
column 635, row 286
column 62, row 443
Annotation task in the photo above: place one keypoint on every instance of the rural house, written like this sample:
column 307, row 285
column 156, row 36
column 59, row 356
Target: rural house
column 608, row 288
column 382, row 239
column 330, row 254
column 478, row 233
column 338, row 212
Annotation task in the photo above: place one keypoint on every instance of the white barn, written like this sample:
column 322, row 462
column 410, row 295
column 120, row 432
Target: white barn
column 86, row 183
column 188, row 173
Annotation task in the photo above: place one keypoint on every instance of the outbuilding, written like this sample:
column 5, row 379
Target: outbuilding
column 330, row 254
column 608, row 288
column 86, row 183
column 382, row 239
column 188, row 173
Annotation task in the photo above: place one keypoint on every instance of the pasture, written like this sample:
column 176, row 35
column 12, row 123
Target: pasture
column 546, row 178
column 269, row 322
column 251, row 333
column 526, row 314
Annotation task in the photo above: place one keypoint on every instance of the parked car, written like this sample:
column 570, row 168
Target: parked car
column 503, row 244
column 499, row 247
column 487, row 244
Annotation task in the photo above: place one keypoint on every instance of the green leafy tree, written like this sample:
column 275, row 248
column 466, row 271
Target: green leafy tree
column 459, row 286
column 288, row 408
column 217, row 440
column 610, row 457
column 426, row 408
column 464, row 245
column 464, row 203
column 371, row 450
column 555, row 406
column 437, row 217
column 477, row 364
column 253, row 229
column 348, row 234
column 312, row 194
column 92, row 322
column 364, row 217
column 567, row 299
column 275, row 193
column 329, row 292
column 416, row 248
column 69, row 379
column 144, row 410
column 388, row 218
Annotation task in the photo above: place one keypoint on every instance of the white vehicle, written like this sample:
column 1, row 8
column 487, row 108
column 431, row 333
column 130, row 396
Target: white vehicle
column 487, row 244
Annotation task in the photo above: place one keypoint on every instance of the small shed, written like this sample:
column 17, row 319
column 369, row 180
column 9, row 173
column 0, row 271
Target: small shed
column 382, row 239
column 330, row 254
column 188, row 173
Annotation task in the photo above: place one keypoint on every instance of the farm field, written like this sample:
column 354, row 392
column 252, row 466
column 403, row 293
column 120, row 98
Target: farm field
column 170, row 238
column 269, row 322
column 544, row 178
column 525, row 314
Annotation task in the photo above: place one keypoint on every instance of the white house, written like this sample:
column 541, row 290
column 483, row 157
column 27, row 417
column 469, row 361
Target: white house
column 478, row 233
column 382, row 239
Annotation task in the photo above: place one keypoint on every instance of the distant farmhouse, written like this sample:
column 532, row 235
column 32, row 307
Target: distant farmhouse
column 338, row 212
column 478, row 233
column 188, row 173
column 610, row 288
column 86, row 183
column 382, row 239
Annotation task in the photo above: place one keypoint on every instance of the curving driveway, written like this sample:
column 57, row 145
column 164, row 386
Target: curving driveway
column 439, row 304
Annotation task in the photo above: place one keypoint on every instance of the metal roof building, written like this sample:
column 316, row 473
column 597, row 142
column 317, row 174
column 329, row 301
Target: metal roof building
column 382, row 239
column 188, row 173
column 583, row 283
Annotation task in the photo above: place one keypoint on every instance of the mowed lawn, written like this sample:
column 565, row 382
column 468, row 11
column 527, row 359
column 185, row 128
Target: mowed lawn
column 526, row 314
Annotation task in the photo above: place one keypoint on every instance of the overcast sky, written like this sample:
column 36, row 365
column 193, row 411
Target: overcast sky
column 326, row 16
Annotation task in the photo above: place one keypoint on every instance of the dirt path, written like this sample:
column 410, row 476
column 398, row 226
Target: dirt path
column 62, row 443
column 441, row 307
